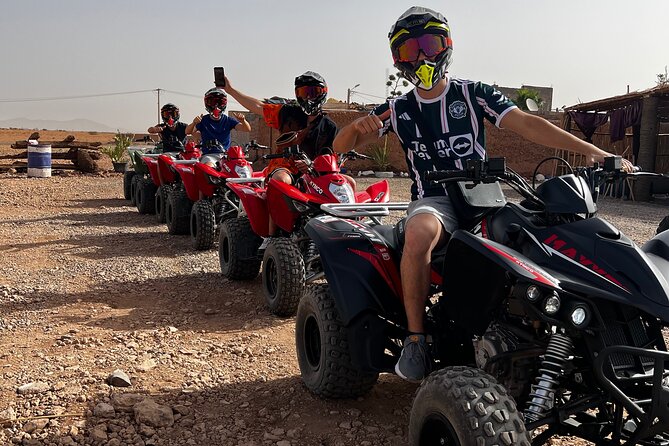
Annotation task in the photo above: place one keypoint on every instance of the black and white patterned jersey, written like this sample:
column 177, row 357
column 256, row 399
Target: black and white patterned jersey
column 456, row 119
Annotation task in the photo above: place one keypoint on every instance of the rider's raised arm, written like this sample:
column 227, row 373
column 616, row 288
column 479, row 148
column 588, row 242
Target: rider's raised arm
column 540, row 131
column 252, row 104
column 362, row 131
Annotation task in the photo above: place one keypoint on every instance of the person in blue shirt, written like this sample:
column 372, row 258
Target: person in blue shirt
column 215, row 127
column 453, row 112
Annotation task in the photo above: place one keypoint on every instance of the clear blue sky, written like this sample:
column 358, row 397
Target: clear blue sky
column 586, row 50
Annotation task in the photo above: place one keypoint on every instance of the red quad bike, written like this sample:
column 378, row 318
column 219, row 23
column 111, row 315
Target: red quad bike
column 215, row 201
column 290, row 257
column 542, row 315
column 149, row 191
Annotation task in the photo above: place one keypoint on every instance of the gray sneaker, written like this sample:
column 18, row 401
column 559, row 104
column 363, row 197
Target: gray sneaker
column 414, row 362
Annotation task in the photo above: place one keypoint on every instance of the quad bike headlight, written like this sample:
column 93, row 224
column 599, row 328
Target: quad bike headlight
column 533, row 293
column 552, row 304
column 243, row 171
column 215, row 180
column 343, row 193
column 579, row 316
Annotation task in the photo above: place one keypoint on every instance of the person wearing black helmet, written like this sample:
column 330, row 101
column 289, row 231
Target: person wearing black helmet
column 315, row 129
column 440, row 126
column 172, row 132
column 215, row 126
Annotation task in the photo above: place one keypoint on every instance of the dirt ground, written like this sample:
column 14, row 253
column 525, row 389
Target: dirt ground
column 89, row 286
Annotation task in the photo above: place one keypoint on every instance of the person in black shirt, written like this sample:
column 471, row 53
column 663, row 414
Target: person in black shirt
column 172, row 132
column 316, row 131
column 440, row 125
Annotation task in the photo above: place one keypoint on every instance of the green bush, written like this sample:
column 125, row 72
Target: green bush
column 381, row 157
column 121, row 143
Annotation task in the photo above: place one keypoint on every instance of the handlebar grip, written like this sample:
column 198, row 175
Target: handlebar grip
column 437, row 175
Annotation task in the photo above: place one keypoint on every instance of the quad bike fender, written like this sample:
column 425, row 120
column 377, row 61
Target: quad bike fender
column 187, row 175
column 152, row 166
column 202, row 173
column 166, row 174
column 280, row 198
column 359, row 267
column 253, row 200
column 477, row 275
column 378, row 192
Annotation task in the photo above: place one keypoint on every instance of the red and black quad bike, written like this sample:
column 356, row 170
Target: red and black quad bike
column 290, row 258
column 216, row 202
column 543, row 316
column 167, row 178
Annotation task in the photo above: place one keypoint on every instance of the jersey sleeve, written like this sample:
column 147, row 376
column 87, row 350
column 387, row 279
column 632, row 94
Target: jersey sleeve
column 387, row 123
column 270, row 113
column 495, row 105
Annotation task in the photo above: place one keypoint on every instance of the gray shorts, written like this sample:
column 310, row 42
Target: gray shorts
column 440, row 207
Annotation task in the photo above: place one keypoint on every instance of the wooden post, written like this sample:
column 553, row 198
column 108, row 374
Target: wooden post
column 647, row 146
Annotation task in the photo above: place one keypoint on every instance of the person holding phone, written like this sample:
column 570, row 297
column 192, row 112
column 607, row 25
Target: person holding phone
column 316, row 131
column 215, row 126
column 172, row 132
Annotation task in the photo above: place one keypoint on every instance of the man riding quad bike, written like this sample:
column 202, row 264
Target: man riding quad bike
column 542, row 315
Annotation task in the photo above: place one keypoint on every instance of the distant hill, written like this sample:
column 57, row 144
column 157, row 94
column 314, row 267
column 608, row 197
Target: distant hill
column 85, row 125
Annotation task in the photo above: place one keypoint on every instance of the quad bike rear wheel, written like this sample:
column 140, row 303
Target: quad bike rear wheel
column 322, row 345
column 127, row 180
column 282, row 276
column 465, row 406
column 134, row 181
column 161, row 203
column 202, row 225
column 238, row 249
column 145, row 196
column 177, row 212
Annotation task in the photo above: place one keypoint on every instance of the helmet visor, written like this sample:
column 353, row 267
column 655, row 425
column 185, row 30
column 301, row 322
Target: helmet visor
column 309, row 92
column 170, row 113
column 430, row 44
column 212, row 102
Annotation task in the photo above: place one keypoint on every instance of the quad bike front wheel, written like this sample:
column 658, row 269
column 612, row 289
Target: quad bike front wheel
column 177, row 212
column 465, row 406
column 145, row 196
column 282, row 276
column 161, row 202
column 238, row 249
column 322, row 346
column 127, row 180
column 202, row 225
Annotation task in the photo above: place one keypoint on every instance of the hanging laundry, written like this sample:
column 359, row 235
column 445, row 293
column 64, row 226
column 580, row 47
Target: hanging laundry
column 622, row 118
column 587, row 122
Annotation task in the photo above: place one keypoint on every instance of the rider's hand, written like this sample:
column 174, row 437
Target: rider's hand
column 241, row 117
column 302, row 166
column 370, row 123
column 627, row 166
column 197, row 119
column 227, row 86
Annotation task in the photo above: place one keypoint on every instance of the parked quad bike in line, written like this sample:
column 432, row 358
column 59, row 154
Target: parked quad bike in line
column 137, row 167
column 214, row 202
column 288, row 260
column 549, row 317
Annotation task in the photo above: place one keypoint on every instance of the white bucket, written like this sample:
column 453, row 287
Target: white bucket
column 39, row 160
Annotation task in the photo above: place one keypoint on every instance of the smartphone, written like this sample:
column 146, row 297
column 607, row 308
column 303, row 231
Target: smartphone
column 219, row 77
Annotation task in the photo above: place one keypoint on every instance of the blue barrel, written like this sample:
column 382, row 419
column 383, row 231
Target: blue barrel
column 39, row 160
